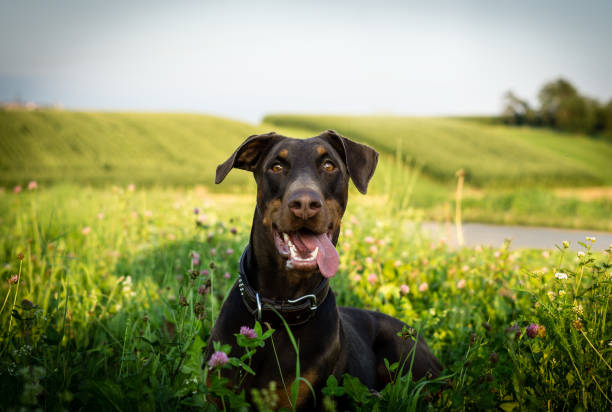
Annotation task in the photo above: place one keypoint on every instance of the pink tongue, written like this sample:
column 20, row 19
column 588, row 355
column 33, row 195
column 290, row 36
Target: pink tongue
column 327, row 257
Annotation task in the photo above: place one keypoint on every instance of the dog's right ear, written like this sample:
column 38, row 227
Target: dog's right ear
column 247, row 155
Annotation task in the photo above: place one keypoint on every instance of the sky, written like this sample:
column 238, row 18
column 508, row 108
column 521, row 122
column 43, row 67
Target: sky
column 245, row 59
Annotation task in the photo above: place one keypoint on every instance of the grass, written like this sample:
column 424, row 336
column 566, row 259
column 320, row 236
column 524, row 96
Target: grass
column 110, row 310
column 513, row 173
column 491, row 155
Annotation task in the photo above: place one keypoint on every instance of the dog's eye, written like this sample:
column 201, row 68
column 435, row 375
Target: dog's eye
column 328, row 166
column 276, row 168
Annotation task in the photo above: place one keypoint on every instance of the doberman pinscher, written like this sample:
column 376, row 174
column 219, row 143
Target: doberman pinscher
column 302, row 192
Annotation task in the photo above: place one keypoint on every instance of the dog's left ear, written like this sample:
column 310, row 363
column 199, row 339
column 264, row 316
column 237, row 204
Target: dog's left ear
column 361, row 160
column 247, row 155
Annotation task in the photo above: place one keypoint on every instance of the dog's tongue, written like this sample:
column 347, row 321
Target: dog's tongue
column 327, row 257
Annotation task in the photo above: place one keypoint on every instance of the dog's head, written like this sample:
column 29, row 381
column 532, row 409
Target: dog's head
column 302, row 190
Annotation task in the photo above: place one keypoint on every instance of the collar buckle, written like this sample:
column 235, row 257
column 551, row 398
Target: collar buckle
column 313, row 301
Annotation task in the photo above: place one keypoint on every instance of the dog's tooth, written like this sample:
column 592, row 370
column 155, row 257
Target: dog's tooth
column 289, row 264
column 314, row 253
column 286, row 237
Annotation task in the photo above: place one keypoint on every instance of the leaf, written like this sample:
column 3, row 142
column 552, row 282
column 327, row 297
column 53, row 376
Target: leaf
column 332, row 388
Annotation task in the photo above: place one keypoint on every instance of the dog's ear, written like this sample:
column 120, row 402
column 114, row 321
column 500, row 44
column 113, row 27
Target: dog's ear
column 361, row 160
column 247, row 155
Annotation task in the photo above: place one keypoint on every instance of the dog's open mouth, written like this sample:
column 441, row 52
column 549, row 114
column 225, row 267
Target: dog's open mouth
column 305, row 250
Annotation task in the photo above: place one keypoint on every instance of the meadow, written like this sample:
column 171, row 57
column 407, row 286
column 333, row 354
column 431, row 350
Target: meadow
column 117, row 252
column 109, row 295
column 512, row 174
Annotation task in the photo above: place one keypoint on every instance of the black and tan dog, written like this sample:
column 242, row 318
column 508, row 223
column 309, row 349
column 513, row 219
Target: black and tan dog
column 302, row 191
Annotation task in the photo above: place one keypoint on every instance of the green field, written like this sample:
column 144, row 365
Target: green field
column 511, row 172
column 103, row 306
column 491, row 155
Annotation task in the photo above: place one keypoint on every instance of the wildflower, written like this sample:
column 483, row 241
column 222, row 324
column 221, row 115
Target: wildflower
column 461, row 284
column 541, row 331
column 369, row 260
column 196, row 210
column 100, row 216
column 20, row 256
column 17, row 189
column 13, row 279
column 372, row 278
column 218, row 358
column 229, row 251
column 423, row 287
column 561, row 275
column 233, row 230
column 577, row 324
column 545, row 254
column 532, row 330
column 183, row 301
column 131, row 187
column 373, row 250
column 565, row 244
column 148, row 213
column 195, row 261
column 578, row 309
column 397, row 263
column 581, row 254
column 494, row 357
column 248, row 332
column 513, row 331
column 472, row 338
column 562, row 292
column 496, row 254
column 369, row 239
column 199, row 310
column 203, row 290
column 204, row 272
column 404, row 289
column 348, row 233
column 32, row 185
column 591, row 238
column 226, row 275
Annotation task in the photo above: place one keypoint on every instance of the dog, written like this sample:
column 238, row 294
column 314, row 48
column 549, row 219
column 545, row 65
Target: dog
column 302, row 193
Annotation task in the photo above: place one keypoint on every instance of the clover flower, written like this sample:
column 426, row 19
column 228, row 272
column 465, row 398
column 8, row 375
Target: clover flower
column 372, row 278
column 404, row 289
column 13, row 279
column 248, row 332
column 423, row 287
column 86, row 230
column 461, row 284
column 218, row 358
column 532, row 330
column 32, row 185
column 561, row 275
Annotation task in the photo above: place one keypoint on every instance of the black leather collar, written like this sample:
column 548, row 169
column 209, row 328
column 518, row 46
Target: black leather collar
column 295, row 311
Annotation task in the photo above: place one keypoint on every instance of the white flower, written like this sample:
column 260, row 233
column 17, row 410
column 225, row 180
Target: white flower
column 591, row 238
column 561, row 275
column 581, row 254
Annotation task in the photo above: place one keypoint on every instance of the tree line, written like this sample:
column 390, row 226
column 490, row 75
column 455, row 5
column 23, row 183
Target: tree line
column 562, row 108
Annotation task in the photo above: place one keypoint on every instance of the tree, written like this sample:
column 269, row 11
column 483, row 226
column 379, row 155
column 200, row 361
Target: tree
column 553, row 96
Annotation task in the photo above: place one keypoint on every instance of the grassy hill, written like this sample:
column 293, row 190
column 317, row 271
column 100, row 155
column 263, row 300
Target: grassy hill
column 491, row 155
column 119, row 148
column 161, row 149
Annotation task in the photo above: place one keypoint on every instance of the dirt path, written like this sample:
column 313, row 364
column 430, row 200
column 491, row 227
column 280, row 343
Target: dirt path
column 521, row 236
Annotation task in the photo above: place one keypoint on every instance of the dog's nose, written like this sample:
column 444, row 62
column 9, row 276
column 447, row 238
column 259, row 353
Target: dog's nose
column 305, row 203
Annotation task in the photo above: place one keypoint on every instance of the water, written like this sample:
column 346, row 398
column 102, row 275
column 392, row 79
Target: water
column 476, row 234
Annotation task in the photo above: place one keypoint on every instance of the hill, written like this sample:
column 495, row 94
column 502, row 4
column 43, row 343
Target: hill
column 492, row 155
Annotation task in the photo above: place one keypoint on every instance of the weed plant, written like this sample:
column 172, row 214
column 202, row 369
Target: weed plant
column 109, row 295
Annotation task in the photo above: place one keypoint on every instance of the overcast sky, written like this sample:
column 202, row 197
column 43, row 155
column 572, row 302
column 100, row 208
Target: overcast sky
column 246, row 59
